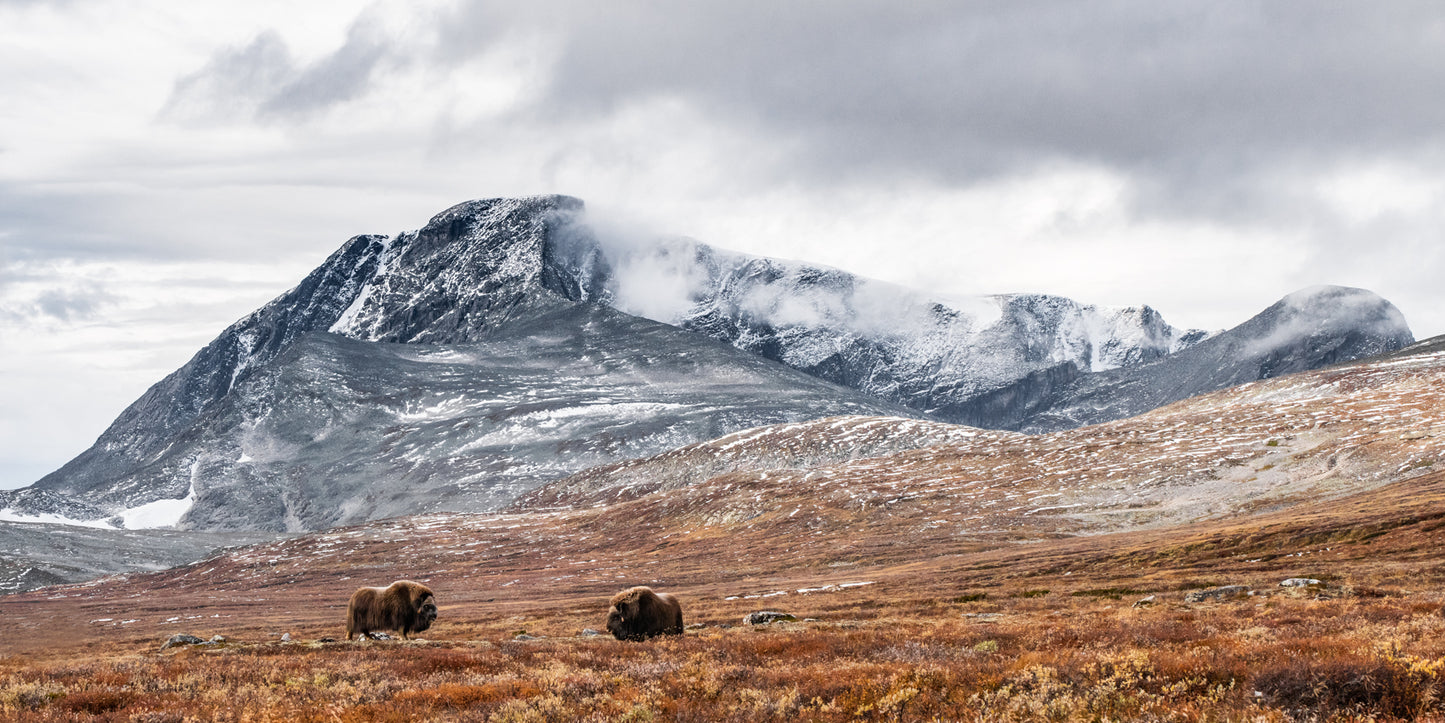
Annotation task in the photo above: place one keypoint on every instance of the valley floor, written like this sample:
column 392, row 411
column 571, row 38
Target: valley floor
column 941, row 631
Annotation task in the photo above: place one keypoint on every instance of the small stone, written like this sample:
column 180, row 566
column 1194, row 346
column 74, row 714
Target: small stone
column 1146, row 601
column 1217, row 594
column 524, row 636
column 810, row 620
column 182, row 639
column 697, row 626
column 326, row 640
column 379, row 636
column 286, row 637
column 1300, row 582
column 589, row 633
column 216, row 640
column 1413, row 435
column 767, row 617
column 983, row 617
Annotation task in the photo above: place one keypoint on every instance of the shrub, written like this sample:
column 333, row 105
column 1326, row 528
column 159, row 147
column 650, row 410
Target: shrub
column 1393, row 687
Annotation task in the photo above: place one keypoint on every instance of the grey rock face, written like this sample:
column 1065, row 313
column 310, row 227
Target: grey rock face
column 453, row 280
column 31, row 502
column 182, row 639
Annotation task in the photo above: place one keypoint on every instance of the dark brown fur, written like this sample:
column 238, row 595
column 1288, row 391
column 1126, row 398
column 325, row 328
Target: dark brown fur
column 405, row 606
column 639, row 613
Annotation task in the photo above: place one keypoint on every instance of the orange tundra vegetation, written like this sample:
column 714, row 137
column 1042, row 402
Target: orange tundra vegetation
column 1050, row 632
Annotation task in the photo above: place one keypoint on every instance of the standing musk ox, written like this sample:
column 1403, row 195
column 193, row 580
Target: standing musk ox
column 639, row 613
column 405, row 606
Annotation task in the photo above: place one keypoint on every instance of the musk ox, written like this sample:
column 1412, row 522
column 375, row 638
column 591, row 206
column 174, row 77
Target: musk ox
column 405, row 606
column 639, row 613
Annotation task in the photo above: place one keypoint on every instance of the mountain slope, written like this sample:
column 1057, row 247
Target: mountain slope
column 1254, row 447
column 335, row 430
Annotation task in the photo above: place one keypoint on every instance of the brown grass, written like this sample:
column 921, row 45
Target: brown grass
column 1275, row 658
column 1043, row 631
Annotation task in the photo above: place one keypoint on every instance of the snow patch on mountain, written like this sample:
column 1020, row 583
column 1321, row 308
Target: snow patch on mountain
column 49, row 518
column 160, row 513
column 362, row 285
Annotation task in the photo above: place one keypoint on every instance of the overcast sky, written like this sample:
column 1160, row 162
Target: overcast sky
column 167, row 167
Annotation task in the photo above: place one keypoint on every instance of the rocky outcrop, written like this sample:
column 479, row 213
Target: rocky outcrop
column 1217, row 594
column 180, row 640
column 768, row 617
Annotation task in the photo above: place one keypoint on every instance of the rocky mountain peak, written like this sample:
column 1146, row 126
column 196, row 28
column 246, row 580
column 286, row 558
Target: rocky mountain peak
column 470, row 268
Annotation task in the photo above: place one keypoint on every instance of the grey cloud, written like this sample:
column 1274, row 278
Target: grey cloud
column 72, row 304
column 61, row 299
column 1212, row 109
column 234, row 84
column 38, row 225
column 341, row 76
column 1203, row 101
column 262, row 80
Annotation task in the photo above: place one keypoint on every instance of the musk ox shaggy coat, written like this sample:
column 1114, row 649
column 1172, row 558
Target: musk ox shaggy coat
column 639, row 613
column 405, row 606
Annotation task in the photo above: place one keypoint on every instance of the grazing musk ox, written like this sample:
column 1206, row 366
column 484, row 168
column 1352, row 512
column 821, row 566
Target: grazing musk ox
column 639, row 613
column 405, row 606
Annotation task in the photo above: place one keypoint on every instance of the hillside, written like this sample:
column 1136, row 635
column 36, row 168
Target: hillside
column 1253, row 447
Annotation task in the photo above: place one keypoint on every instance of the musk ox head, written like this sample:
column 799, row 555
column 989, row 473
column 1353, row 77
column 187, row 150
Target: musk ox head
column 404, row 606
column 639, row 613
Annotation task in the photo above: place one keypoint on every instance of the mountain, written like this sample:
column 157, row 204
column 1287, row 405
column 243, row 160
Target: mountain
column 471, row 267
column 1306, row 330
column 503, row 344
